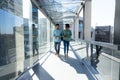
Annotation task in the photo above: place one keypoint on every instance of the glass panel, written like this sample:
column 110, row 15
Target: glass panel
column 109, row 70
column 16, row 37
column 51, row 37
column 104, row 60
column 43, row 32
column 35, row 33
column 11, row 39
column 27, row 16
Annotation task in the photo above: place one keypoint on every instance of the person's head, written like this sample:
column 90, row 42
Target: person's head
column 67, row 26
column 57, row 26
column 33, row 26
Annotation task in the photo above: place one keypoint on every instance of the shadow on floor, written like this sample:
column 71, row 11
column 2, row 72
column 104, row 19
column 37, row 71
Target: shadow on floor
column 41, row 74
column 79, row 67
column 79, row 49
column 52, row 52
column 62, row 48
column 73, row 63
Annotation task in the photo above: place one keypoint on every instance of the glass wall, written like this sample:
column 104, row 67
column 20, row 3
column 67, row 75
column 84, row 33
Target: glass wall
column 51, row 37
column 107, row 66
column 43, row 27
column 11, row 38
column 104, row 59
column 101, row 56
column 21, row 45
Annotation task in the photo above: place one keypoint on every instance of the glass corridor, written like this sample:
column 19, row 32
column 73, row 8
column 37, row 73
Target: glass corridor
column 17, row 50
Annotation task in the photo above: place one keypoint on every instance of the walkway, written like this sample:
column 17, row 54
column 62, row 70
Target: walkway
column 55, row 68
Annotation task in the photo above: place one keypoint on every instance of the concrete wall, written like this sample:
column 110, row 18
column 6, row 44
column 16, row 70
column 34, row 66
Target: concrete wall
column 117, row 23
column 87, row 20
column 76, row 27
column 19, row 43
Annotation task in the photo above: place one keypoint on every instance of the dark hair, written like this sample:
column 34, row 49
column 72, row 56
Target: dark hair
column 33, row 25
column 57, row 25
column 67, row 25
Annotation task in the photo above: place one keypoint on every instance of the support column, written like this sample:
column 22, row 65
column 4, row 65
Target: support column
column 87, row 20
column 76, row 27
column 72, row 30
column 117, row 23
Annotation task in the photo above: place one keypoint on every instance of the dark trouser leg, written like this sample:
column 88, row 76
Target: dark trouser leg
column 33, row 48
column 67, row 46
column 58, row 48
column 33, row 52
column 98, row 49
column 64, row 47
column 55, row 45
column 36, row 47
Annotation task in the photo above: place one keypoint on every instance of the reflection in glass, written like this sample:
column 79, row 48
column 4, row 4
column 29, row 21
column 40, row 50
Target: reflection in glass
column 16, row 36
column 26, row 39
column 11, row 40
column 35, row 40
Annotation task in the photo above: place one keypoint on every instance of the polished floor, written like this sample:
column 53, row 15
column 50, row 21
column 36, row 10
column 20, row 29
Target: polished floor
column 52, row 67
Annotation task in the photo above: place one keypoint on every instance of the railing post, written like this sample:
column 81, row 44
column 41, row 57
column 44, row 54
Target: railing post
column 87, row 48
column 91, row 53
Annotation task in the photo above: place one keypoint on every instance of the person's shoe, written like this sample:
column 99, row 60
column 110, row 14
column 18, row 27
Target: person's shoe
column 65, row 56
column 58, row 55
column 55, row 53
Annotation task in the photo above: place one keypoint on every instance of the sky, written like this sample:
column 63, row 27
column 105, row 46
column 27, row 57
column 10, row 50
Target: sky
column 8, row 21
column 103, row 12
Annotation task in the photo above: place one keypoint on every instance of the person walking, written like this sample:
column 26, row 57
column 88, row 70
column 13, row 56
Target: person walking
column 57, row 39
column 66, row 34
column 35, row 40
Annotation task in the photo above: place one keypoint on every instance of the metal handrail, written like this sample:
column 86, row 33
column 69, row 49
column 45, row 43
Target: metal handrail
column 107, row 45
column 104, row 44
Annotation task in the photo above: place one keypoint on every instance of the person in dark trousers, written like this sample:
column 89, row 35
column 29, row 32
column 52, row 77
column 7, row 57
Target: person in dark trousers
column 35, row 39
column 57, row 39
column 98, row 49
column 66, row 39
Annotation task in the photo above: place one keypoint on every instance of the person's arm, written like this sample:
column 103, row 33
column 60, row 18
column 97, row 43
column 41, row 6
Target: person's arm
column 70, row 33
column 54, row 33
column 35, row 33
column 64, row 34
column 61, row 35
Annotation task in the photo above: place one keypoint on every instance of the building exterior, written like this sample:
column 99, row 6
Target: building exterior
column 103, row 34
